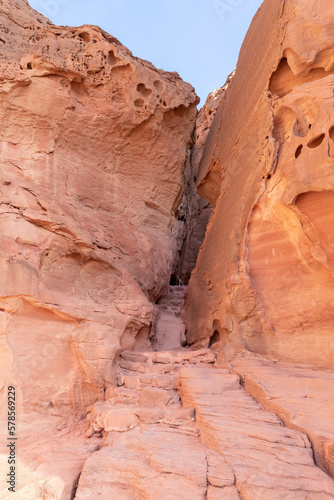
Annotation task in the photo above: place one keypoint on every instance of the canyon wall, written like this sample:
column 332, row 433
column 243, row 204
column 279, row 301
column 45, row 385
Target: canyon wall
column 93, row 145
column 264, row 279
column 99, row 153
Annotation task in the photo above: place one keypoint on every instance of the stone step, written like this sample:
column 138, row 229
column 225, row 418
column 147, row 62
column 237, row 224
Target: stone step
column 181, row 356
column 178, row 288
column 132, row 366
column 150, row 397
column 169, row 416
column 123, row 368
column 161, row 381
column 173, row 303
column 169, row 332
column 108, row 417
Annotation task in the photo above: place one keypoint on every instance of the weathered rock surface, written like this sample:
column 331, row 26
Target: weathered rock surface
column 267, row 459
column 204, row 122
column 195, row 211
column 94, row 218
column 303, row 398
column 50, row 456
column 147, row 463
column 264, row 279
column 151, row 445
column 93, row 145
column 170, row 327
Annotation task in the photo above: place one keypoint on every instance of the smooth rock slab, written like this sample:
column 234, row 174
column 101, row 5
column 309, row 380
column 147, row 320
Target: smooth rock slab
column 153, row 464
column 266, row 457
column 302, row 397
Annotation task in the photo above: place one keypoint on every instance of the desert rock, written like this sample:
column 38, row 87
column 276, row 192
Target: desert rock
column 264, row 276
column 89, row 191
column 120, row 394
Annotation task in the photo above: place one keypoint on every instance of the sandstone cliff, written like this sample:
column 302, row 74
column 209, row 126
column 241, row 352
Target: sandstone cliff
column 99, row 152
column 93, row 146
column 264, row 278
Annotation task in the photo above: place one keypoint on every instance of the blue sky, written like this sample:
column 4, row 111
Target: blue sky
column 200, row 39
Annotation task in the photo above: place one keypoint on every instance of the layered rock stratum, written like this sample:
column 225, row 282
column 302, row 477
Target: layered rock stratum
column 116, row 397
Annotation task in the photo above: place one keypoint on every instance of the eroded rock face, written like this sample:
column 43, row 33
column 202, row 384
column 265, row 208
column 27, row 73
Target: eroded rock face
column 206, row 115
column 264, row 278
column 92, row 144
column 194, row 212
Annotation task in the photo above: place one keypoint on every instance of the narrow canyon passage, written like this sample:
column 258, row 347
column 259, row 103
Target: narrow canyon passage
column 176, row 422
column 114, row 191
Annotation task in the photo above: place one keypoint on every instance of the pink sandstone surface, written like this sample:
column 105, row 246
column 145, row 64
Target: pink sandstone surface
column 264, row 277
column 88, row 196
column 116, row 396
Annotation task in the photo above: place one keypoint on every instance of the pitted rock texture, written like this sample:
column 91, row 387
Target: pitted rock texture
column 93, row 145
column 264, row 279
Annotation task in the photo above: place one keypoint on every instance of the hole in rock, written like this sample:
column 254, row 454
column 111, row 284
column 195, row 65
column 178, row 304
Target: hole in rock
column 139, row 103
column 142, row 338
column 143, row 90
column 79, row 88
column 174, row 281
column 285, row 122
column 300, row 129
column 215, row 338
column 122, row 71
column 158, row 85
column 29, row 65
column 180, row 111
column 283, row 80
column 314, row 143
column 298, row 151
column 112, row 59
column 84, row 36
column 331, row 133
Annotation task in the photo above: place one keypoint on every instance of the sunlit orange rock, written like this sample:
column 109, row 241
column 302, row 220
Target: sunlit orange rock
column 92, row 145
column 264, row 279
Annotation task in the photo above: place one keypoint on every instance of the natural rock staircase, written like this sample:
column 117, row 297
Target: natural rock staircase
column 218, row 443
column 146, row 379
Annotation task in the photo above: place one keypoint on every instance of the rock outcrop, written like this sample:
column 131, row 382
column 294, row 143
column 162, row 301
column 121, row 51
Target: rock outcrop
column 264, row 279
column 93, row 146
column 99, row 156
column 194, row 212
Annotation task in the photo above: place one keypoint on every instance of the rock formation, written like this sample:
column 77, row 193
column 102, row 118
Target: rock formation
column 194, row 212
column 99, row 152
column 89, row 191
column 264, row 278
